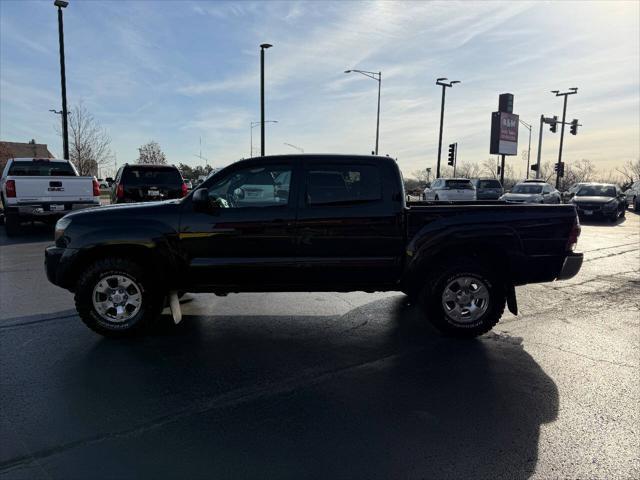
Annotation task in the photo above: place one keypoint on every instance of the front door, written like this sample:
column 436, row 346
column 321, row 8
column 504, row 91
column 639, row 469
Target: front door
column 244, row 239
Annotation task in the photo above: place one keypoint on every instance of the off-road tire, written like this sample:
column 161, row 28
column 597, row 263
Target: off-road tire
column 431, row 298
column 152, row 297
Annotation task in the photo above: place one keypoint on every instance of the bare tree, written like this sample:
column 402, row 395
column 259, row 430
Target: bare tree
column 630, row 171
column 151, row 154
column 489, row 168
column 89, row 143
column 423, row 176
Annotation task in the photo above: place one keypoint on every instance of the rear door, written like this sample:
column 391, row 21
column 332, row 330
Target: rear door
column 349, row 229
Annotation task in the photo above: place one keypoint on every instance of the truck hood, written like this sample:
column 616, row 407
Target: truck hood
column 146, row 209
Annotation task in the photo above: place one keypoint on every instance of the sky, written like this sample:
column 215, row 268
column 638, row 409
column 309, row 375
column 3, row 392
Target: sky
column 185, row 72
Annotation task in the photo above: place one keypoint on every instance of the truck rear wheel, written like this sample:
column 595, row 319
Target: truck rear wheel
column 464, row 299
column 116, row 298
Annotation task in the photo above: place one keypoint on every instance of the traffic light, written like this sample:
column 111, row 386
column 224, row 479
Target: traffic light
column 452, row 154
column 574, row 126
column 559, row 168
column 534, row 167
column 554, row 124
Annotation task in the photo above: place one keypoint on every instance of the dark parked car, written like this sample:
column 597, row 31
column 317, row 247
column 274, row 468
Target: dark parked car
column 487, row 188
column 310, row 223
column 603, row 200
column 145, row 183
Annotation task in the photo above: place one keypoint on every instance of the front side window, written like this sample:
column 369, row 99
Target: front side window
column 343, row 184
column 266, row 186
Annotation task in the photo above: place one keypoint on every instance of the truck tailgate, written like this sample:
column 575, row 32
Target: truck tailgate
column 52, row 189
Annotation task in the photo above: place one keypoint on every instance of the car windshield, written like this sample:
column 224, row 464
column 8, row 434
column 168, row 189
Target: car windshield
column 152, row 176
column 489, row 184
column 41, row 168
column 527, row 188
column 459, row 184
column 597, row 191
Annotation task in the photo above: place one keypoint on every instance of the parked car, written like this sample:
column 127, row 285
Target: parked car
column 487, row 188
column 570, row 193
column 144, row 183
column 603, row 200
column 343, row 225
column 633, row 195
column 43, row 189
column 532, row 191
column 450, row 189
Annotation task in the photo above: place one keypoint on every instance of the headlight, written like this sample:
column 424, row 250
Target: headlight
column 538, row 198
column 610, row 204
column 61, row 226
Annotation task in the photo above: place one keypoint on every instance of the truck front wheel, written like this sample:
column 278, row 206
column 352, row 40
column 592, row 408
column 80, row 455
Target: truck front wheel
column 464, row 299
column 116, row 298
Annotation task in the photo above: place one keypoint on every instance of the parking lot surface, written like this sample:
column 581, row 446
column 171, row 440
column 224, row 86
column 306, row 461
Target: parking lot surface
column 327, row 385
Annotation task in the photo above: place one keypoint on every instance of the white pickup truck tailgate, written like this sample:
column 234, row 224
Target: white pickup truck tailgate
column 51, row 189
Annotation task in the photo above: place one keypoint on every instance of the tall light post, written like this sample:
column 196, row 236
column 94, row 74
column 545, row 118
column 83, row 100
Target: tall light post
column 263, row 47
column 254, row 124
column 377, row 76
column 571, row 91
column 300, row 149
column 63, row 79
column 442, row 82
column 527, row 126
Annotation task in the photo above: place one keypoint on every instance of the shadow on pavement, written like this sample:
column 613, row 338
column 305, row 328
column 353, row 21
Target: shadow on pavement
column 370, row 394
column 602, row 222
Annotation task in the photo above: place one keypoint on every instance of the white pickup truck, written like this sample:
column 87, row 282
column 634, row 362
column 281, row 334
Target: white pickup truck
column 43, row 189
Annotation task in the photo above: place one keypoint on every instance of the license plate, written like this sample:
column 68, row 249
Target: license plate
column 588, row 212
column 56, row 208
column 153, row 193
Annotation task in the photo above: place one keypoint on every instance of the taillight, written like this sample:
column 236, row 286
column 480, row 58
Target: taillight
column 96, row 188
column 185, row 190
column 573, row 235
column 120, row 191
column 10, row 186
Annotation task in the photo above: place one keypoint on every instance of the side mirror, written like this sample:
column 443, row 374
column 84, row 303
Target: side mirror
column 200, row 199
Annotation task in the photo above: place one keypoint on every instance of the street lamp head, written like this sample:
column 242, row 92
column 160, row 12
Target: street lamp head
column 266, row 45
column 455, row 81
column 575, row 89
column 347, row 71
column 61, row 3
column 555, row 91
column 440, row 79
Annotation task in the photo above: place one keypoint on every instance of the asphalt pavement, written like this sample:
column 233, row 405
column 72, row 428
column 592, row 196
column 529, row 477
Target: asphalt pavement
column 326, row 385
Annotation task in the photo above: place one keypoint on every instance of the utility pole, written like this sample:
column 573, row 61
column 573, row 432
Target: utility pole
column 263, row 47
column 502, row 171
column 571, row 91
column 442, row 82
column 539, row 147
column 63, row 79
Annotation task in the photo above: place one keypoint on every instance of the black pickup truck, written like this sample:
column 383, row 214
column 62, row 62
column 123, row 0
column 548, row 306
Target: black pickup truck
column 310, row 223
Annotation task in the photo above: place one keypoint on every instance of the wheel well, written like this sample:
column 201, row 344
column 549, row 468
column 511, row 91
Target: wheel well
column 143, row 256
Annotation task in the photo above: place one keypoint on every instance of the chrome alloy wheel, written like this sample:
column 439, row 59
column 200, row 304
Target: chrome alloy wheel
column 117, row 298
column 465, row 299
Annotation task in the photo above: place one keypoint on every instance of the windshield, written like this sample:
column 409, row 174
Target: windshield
column 459, row 184
column 41, row 168
column 596, row 191
column 489, row 184
column 525, row 188
column 152, row 176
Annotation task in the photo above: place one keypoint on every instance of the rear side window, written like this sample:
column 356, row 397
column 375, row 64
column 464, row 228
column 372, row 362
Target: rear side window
column 459, row 184
column 41, row 168
column 489, row 184
column 343, row 184
column 151, row 176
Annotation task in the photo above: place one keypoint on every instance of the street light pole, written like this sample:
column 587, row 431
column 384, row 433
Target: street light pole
column 377, row 76
column 445, row 85
column 254, row 124
column 539, row 147
column 63, row 79
column 263, row 47
column 571, row 91
column 529, row 127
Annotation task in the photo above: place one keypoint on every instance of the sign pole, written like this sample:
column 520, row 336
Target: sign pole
column 502, row 171
column 539, row 147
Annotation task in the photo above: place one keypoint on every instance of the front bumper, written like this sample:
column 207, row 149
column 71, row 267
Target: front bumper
column 57, row 262
column 571, row 266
